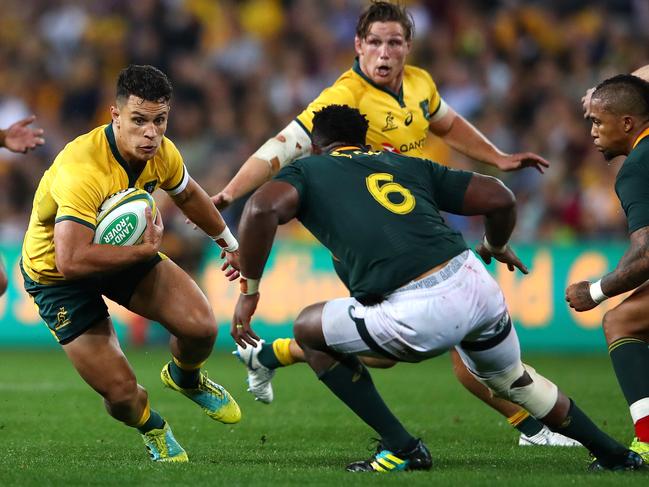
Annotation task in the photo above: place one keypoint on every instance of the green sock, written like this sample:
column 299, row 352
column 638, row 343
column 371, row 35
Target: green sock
column 579, row 427
column 267, row 357
column 529, row 426
column 353, row 385
column 187, row 379
column 155, row 422
column 630, row 358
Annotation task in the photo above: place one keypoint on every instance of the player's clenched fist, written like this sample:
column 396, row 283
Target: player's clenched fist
column 578, row 296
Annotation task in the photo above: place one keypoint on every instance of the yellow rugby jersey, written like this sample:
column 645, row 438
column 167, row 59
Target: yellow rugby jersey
column 86, row 172
column 398, row 123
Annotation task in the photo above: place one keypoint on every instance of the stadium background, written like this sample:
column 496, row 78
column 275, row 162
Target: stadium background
column 243, row 69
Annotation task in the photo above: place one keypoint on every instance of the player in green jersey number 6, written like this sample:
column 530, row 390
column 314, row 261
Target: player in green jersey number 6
column 416, row 289
column 402, row 105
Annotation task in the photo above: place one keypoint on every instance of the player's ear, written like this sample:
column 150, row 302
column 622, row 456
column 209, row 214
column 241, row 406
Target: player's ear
column 357, row 45
column 629, row 123
column 114, row 114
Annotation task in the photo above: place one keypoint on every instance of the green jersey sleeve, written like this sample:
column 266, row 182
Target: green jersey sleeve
column 633, row 191
column 293, row 174
column 449, row 186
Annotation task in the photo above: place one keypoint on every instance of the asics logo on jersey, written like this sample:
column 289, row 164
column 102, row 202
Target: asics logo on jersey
column 408, row 120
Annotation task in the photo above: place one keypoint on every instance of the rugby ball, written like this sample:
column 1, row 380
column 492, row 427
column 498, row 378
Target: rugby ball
column 121, row 219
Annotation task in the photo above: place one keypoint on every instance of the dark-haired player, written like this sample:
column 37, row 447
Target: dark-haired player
column 67, row 274
column 402, row 105
column 416, row 289
column 619, row 112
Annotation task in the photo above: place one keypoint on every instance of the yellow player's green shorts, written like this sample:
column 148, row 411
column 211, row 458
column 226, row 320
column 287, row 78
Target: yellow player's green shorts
column 71, row 307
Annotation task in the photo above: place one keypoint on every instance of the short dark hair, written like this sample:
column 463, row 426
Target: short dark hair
column 144, row 81
column 385, row 12
column 339, row 123
column 624, row 94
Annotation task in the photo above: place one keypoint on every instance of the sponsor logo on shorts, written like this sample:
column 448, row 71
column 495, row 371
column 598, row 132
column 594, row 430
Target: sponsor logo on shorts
column 62, row 319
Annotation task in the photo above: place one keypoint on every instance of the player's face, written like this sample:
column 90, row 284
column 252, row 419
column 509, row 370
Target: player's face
column 609, row 131
column 139, row 127
column 382, row 54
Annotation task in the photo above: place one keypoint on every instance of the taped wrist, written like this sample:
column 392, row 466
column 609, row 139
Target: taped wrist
column 226, row 240
column 248, row 286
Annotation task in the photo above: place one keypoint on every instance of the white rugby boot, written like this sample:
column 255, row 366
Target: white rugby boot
column 259, row 376
column 546, row 437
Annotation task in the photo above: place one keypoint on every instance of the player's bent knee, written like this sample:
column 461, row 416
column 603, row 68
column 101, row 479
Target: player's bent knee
column 122, row 391
column 538, row 397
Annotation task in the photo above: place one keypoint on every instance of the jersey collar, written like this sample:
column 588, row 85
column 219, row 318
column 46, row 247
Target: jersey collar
column 643, row 134
column 357, row 69
column 110, row 136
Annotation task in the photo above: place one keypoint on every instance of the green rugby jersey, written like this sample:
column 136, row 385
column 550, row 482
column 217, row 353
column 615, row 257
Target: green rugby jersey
column 632, row 185
column 378, row 213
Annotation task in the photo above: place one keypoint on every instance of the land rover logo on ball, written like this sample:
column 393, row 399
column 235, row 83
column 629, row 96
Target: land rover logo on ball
column 120, row 229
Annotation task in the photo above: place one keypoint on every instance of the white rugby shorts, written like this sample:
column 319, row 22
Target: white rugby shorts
column 460, row 306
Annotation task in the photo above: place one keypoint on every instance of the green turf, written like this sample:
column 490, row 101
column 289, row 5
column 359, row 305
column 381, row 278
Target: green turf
column 54, row 431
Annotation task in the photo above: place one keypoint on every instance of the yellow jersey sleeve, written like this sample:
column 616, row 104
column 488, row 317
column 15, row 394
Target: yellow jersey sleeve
column 435, row 100
column 338, row 94
column 77, row 196
column 176, row 177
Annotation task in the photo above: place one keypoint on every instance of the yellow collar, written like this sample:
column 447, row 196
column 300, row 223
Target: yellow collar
column 642, row 135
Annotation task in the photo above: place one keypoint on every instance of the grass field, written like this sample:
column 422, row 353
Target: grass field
column 54, row 431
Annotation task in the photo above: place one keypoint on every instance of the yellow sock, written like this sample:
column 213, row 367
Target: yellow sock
column 184, row 366
column 281, row 348
column 146, row 414
column 517, row 418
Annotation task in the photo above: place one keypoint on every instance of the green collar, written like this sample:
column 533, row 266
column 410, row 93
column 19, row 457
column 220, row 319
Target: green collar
column 357, row 69
column 110, row 136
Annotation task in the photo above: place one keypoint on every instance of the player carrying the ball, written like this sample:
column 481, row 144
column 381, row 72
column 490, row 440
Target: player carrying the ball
column 67, row 274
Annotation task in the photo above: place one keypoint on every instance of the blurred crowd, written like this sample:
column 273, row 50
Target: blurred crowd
column 243, row 69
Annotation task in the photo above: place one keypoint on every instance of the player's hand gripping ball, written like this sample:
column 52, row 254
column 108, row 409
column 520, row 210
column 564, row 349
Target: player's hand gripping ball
column 121, row 219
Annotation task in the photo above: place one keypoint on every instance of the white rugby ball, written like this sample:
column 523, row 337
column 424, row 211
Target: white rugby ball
column 121, row 219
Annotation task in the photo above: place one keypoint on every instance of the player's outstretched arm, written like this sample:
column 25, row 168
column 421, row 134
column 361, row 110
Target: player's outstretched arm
column 195, row 203
column 275, row 203
column 291, row 143
column 462, row 136
column 19, row 137
column 630, row 272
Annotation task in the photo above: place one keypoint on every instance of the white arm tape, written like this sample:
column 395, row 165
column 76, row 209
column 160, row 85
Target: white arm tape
column 226, row 240
column 596, row 293
column 492, row 248
column 278, row 154
column 441, row 111
column 248, row 286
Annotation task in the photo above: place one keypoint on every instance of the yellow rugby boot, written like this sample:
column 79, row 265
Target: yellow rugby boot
column 217, row 403
column 163, row 447
column 641, row 448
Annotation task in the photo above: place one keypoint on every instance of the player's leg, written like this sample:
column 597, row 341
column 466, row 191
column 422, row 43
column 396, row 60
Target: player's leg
column 78, row 318
column 168, row 295
column 496, row 362
column 264, row 359
column 98, row 358
column 627, row 334
column 350, row 381
column 533, row 432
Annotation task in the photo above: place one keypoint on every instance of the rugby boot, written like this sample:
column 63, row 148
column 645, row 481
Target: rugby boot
column 630, row 460
column 641, row 448
column 162, row 446
column 217, row 403
column 259, row 376
column 546, row 437
column 385, row 460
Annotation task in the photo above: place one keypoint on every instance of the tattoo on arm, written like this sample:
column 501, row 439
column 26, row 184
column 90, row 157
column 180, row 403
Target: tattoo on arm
column 633, row 268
